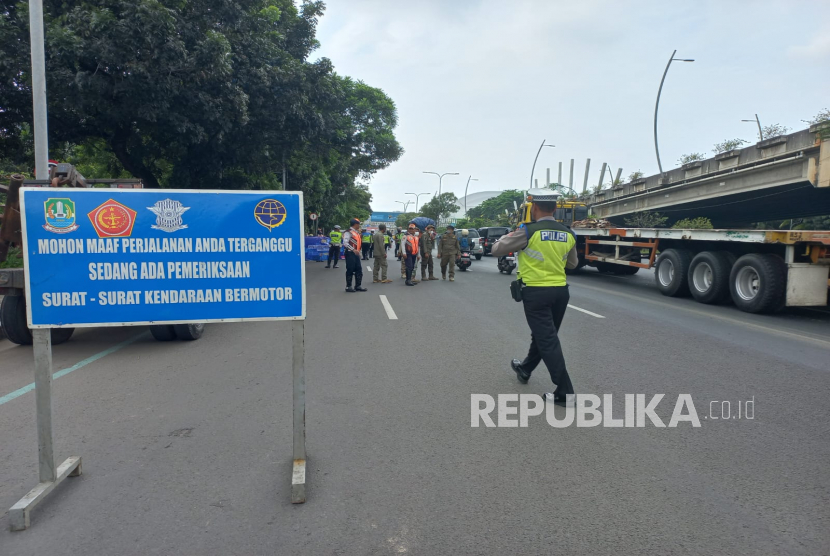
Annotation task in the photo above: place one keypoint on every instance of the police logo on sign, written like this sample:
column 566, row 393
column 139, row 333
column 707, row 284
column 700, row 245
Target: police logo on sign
column 168, row 215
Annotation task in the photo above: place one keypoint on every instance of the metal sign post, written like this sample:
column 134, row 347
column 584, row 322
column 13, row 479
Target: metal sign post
column 165, row 258
column 50, row 477
column 298, row 375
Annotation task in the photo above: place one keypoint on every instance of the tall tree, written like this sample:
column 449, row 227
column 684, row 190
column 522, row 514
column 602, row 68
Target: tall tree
column 202, row 94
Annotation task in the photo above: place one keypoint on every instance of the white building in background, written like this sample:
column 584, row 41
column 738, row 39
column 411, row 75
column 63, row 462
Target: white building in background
column 473, row 200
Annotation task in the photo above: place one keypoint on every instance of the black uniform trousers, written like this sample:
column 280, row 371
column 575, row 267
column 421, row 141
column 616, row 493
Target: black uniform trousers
column 410, row 265
column 334, row 255
column 544, row 310
column 353, row 268
column 365, row 249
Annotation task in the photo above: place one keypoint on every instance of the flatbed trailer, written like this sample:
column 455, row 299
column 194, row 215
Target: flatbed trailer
column 13, row 323
column 761, row 271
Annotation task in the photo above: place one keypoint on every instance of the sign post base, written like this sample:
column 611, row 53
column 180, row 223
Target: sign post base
column 50, row 477
column 19, row 513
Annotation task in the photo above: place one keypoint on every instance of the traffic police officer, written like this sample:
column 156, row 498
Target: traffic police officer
column 546, row 248
column 336, row 237
column 366, row 239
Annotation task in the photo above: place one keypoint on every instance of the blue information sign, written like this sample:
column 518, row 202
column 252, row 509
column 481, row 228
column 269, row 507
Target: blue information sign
column 106, row 257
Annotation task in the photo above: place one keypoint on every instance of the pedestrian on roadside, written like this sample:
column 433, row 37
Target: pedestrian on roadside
column 380, row 256
column 366, row 239
column 411, row 252
column 336, row 237
column 449, row 250
column 427, row 244
column 353, row 243
column 546, row 248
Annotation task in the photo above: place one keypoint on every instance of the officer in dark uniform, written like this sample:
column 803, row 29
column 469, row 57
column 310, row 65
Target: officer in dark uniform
column 545, row 248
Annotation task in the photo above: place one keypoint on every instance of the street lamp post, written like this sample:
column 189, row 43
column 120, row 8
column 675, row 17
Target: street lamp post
column 535, row 159
column 760, row 131
column 440, row 178
column 657, row 105
column 405, row 204
column 417, row 197
column 471, row 178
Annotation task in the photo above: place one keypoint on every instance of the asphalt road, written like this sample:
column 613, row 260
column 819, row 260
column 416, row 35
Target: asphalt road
column 187, row 446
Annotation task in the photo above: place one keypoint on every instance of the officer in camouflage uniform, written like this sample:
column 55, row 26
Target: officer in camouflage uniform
column 427, row 244
column 448, row 251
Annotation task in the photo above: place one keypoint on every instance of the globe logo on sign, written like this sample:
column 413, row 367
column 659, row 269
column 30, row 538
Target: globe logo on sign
column 270, row 213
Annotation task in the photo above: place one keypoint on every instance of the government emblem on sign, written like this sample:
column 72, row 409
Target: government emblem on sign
column 60, row 216
column 112, row 219
column 270, row 213
column 168, row 215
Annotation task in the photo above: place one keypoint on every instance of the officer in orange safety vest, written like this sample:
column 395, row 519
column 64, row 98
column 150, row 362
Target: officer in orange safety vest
column 411, row 253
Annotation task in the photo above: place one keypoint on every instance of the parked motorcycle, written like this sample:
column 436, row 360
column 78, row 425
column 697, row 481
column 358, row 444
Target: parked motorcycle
column 507, row 263
column 464, row 262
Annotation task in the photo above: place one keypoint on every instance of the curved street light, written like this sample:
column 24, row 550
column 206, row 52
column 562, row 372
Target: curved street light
column 471, row 178
column 760, row 131
column 657, row 104
column 537, row 158
column 440, row 178
column 417, row 197
column 405, row 204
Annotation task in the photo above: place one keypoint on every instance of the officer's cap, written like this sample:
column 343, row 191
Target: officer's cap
column 337, row 227
column 543, row 195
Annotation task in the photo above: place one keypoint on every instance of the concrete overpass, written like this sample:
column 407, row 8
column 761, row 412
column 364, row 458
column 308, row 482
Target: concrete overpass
column 778, row 178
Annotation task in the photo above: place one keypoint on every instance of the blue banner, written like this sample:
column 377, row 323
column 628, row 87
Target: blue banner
column 109, row 257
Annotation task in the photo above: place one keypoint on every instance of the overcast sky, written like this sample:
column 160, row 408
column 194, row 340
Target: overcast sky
column 480, row 83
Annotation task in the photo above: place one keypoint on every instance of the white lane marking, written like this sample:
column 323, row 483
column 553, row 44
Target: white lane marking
column 585, row 311
column 390, row 312
column 369, row 268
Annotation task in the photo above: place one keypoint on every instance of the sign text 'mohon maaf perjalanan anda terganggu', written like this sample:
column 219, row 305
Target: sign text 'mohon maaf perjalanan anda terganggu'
column 103, row 256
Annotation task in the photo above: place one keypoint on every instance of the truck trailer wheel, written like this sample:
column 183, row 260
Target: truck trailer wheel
column 758, row 283
column 163, row 332
column 709, row 276
column 189, row 332
column 672, row 275
column 13, row 319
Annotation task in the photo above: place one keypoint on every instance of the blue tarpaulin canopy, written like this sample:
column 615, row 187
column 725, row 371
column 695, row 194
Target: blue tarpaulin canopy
column 422, row 222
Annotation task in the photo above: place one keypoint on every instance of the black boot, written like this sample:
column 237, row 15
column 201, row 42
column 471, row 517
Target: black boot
column 359, row 288
column 409, row 278
column 349, row 287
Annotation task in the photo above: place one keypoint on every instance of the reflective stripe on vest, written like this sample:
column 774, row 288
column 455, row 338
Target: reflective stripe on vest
column 411, row 245
column 336, row 238
column 367, row 237
column 542, row 262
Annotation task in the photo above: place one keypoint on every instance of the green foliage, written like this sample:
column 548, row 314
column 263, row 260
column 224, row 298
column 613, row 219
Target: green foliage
column 699, row 223
column 646, row 219
column 492, row 209
column 822, row 116
column 812, row 223
column 14, row 259
column 403, row 219
column 687, row 158
column 440, row 207
column 728, row 145
column 474, row 223
column 775, row 130
column 198, row 94
column 635, row 176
